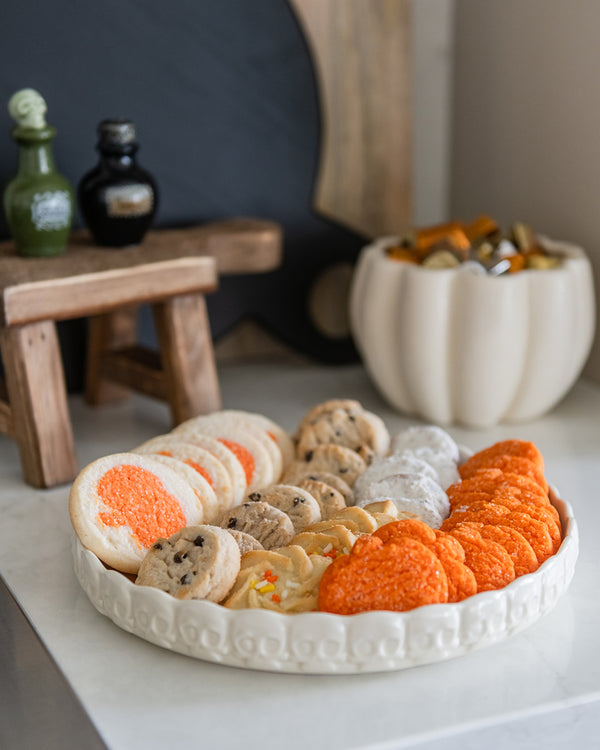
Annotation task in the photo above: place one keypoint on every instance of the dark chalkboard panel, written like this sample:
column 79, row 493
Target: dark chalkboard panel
column 225, row 99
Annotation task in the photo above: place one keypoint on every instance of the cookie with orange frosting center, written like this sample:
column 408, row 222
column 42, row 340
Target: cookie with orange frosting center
column 121, row 503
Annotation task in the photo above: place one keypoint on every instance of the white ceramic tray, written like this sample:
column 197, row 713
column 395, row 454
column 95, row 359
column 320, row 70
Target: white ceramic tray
column 321, row 643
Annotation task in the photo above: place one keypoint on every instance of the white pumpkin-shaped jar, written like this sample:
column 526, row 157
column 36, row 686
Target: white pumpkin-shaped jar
column 454, row 346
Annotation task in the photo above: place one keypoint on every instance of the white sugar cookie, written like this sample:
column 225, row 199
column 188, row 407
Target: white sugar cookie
column 231, row 424
column 198, row 458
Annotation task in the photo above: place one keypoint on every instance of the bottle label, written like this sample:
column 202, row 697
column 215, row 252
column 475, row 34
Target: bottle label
column 51, row 210
column 129, row 200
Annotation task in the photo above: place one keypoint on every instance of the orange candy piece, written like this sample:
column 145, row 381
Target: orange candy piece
column 398, row 575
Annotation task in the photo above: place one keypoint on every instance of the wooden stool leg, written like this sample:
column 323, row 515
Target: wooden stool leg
column 37, row 395
column 187, row 355
column 107, row 332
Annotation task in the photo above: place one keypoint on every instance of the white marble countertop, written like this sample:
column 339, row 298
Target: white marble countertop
column 541, row 686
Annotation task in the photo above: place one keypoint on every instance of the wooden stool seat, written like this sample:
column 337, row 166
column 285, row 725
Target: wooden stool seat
column 172, row 270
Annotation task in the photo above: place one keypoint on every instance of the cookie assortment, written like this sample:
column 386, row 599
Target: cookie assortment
column 341, row 517
column 480, row 245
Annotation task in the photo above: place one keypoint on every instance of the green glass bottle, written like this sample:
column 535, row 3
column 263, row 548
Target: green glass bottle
column 38, row 201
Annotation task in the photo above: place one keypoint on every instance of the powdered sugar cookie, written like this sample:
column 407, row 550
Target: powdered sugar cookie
column 334, row 459
column 283, row 580
column 328, row 498
column 434, row 446
column 200, row 459
column 226, row 456
column 271, row 526
column 120, row 504
column 412, row 493
column 231, row 426
column 298, row 504
column 250, row 450
column 434, row 438
column 211, row 509
column 245, row 542
column 386, row 466
column 197, row 562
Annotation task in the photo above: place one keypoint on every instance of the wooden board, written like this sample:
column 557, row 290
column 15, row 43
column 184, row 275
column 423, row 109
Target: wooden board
column 362, row 54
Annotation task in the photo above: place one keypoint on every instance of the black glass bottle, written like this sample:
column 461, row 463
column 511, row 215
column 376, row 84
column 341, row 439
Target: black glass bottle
column 117, row 198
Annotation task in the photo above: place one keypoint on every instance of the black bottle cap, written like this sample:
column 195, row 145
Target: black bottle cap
column 116, row 132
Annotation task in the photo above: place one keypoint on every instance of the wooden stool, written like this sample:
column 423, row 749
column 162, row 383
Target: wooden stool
column 171, row 270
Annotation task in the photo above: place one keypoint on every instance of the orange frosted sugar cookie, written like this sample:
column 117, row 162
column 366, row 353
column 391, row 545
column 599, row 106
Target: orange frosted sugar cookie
column 491, row 564
column 514, row 465
column 485, row 458
column 120, row 504
column 461, row 581
column 519, row 549
column 399, row 575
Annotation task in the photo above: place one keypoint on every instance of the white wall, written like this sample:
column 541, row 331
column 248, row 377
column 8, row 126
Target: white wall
column 526, row 119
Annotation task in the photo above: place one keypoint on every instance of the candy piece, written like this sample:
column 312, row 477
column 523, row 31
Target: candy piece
column 404, row 254
column 491, row 564
column 441, row 259
column 399, row 576
column 481, row 227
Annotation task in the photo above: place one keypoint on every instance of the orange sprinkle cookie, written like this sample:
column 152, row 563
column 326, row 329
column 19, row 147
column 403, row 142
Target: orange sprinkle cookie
column 493, row 512
column 461, row 581
column 399, row 576
column 536, row 533
column 511, row 464
column 547, row 515
column 491, row 564
column 482, row 459
column 519, row 549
